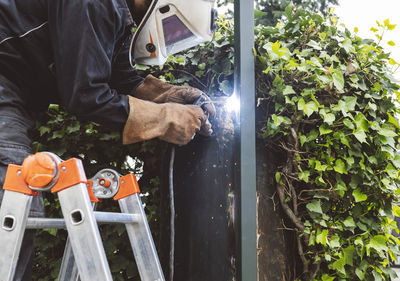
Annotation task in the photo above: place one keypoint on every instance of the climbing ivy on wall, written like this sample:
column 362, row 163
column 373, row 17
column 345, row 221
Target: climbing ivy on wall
column 334, row 118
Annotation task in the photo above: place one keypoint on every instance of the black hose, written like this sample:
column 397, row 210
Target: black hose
column 172, row 213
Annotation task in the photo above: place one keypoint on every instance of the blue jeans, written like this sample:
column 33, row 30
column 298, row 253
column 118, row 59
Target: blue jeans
column 15, row 146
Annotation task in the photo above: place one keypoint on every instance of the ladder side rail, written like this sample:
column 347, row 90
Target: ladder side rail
column 84, row 234
column 13, row 215
column 141, row 240
column 68, row 269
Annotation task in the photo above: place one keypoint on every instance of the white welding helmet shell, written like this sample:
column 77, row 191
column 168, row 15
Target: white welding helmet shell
column 171, row 26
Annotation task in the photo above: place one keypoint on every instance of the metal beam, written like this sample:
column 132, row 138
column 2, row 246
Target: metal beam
column 245, row 88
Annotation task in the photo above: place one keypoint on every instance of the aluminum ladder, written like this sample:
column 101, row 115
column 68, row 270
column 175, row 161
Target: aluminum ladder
column 84, row 258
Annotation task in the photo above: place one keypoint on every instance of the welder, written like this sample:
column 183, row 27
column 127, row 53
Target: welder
column 81, row 54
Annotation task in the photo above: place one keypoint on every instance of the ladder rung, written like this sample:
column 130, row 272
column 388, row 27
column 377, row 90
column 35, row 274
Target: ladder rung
column 110, row 217
column 101, row 217
column 40, row 223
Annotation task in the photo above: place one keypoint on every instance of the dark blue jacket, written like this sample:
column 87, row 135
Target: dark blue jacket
column 71, row 52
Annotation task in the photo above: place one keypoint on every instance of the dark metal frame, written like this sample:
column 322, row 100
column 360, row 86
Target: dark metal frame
column 245, row 89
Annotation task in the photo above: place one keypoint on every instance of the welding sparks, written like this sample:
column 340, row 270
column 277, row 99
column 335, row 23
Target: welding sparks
column 233, row 103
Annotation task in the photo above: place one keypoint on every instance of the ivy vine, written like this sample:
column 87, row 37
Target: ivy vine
column 334, row 119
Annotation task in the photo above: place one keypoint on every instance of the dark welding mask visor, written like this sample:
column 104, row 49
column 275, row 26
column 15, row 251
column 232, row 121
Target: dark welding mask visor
column 170, row 27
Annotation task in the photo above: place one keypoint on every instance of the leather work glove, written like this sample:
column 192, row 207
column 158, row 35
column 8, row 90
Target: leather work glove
column 153, row 89
column 171, row 122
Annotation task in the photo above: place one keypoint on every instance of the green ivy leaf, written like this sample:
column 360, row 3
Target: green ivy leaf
column 289, row 10
column 339, row 265
column 51, row 231
column 393, row 121
column 340, row 166
column 324, row 129
column 313, row 135
column 389, row 26
column 392, row 171
column 58, row 134
column 314, row 45
column 278, row 178
column 361, row 122
column 326, row 277
column 360, row 274
column 378, row 242
column 74, row 127
column 349, row 255
column 387, row 132
column 316, row 62
column 349, row 160
column 308, row 108
column 259, row 14
column 348, row 45
column 338, row 80
column 348, row 123
column 344, row 139
column 396, row 210
column 315, row 207
column 322, row 237
column 276, row 46
column 359, row 196
column 350, row 102
column 360, row 135
column 141, row 67
column 43, row 130
column 334, row 242
column 278, row 120
column 320, row 167
column 396, row 161
column 329, row 118
column 303, row 139
column 304, row 175
column 349, row 223
column 340, row 188
column 288, row 90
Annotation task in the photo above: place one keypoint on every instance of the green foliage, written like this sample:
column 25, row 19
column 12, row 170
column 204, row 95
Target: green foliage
column 269, row 12
column 98, row 148
column 275, row 10
column 334, row 121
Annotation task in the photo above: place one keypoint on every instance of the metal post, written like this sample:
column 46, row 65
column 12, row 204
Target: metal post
column 245, row 88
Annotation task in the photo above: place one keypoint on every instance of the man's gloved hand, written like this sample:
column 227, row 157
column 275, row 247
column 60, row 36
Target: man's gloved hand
column 155, row 90
column 171, row 122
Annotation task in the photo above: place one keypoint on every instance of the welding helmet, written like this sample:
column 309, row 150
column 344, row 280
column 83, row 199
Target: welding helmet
column 171, row 26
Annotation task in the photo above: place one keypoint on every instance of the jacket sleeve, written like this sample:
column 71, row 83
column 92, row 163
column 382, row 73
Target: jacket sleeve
column 83, row 35
column 124, row 78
